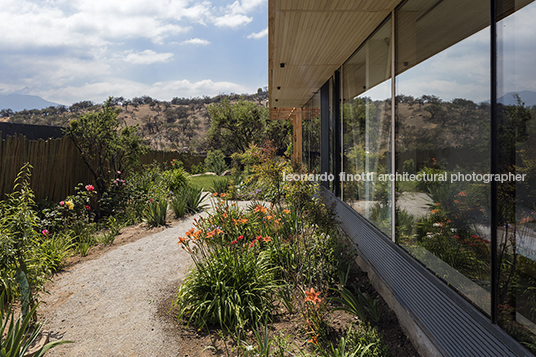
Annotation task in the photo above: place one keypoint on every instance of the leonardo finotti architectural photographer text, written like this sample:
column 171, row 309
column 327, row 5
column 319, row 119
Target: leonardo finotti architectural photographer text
column 405, row 176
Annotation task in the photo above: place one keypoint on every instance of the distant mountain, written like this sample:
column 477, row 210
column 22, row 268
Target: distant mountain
column 18, row 102
column 528, row 97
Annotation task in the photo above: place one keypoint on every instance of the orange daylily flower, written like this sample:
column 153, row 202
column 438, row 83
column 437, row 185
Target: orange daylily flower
column 286, row 211
column 313, row 340
column 223, row 195
column 215, row 194
column 182, row 240
column 267, row 239
column 462, row 193
column 189, row 233
column 434, row 211
column 312, row 296
column 269, row 217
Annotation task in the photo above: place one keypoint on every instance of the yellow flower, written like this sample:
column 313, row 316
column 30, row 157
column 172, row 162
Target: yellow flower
column 69, row 204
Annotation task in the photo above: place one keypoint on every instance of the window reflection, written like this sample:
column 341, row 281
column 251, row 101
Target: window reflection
column 517, row 153
column 311, row 134
column 366, row 129
column 443, row 135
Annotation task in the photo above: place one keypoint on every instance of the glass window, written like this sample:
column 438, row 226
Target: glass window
column 311, row 134
column 443, row 141
column 366, row 129
column 516, row 113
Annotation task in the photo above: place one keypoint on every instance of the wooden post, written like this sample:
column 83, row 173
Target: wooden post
column 297, row 137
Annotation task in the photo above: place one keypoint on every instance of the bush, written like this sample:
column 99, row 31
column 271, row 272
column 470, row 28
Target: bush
column 179, row 206
column 221, row 185
column 215, row 162
column 175, row 179
column 230, row 288
column 155, row 212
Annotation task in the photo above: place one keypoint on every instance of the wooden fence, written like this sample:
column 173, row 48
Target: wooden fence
column 58, row 166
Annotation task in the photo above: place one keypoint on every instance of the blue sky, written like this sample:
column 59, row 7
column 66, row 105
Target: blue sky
column 66, row 51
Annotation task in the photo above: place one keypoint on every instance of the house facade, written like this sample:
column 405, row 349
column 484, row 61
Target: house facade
column 420, row 117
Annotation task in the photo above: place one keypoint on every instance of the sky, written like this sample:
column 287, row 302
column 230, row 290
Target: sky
column 66, row 51
column 463, row 70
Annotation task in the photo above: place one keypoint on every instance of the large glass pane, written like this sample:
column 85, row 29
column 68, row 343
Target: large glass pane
column 517, row 198
column 311, row 134
column 443, row 140
column 366, row 129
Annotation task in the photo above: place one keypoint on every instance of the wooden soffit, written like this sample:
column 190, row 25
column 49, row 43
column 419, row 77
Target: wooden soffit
column 290, row 113
column 309, row 39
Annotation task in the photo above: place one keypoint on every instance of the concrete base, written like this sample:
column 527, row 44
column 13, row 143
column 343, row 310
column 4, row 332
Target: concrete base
column 422, row 343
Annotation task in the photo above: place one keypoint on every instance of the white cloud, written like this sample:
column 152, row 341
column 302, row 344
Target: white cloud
column 195, row 41
column 147, row 57
column 235, row 14
column 99, row 91
column 232, row 20
column 258, row 35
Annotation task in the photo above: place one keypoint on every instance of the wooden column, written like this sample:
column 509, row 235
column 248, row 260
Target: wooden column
column 297, row 137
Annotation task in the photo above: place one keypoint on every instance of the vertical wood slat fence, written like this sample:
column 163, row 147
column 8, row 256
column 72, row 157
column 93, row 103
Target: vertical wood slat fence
column 58, row 166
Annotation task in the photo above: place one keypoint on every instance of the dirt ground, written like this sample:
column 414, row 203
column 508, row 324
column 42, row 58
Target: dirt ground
column 117, row 300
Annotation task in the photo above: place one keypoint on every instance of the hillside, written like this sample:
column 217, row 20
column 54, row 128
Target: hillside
column 180, row 124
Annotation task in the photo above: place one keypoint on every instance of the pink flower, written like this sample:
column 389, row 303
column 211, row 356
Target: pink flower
column 44, row 232
column 62, row 203
column 90, row 188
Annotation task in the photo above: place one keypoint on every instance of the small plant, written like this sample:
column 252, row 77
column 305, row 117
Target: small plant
column 349, row 303
column 361, row 306
column 52, row 249
column 113, row 230
column 194, row 198
column 342, row 351
column 155, row 212
column 366, row 335
column 221, row 185
column 17, row 334
column 179, row 206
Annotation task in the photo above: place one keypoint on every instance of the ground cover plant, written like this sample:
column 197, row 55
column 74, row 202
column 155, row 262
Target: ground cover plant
column 257, row 266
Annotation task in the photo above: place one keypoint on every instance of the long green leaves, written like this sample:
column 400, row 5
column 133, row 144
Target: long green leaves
column 18, row 335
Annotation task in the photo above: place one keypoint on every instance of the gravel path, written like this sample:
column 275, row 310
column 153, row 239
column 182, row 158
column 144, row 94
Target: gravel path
column 108, row 306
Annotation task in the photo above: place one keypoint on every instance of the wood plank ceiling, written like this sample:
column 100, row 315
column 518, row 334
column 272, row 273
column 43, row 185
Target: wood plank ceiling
column 310, row 39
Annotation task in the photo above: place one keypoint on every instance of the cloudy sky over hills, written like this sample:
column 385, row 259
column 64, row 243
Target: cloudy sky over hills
column 71, row 50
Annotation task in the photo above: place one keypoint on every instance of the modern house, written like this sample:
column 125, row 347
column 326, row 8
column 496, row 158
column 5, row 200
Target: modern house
column 424, row 114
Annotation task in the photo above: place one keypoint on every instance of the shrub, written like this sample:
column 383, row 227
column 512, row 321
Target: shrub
column 179, row 206
column 215, row 162
column 194, row 198
column 175, row 179
column 230, row 288
column 221, row 185
column 155, row 212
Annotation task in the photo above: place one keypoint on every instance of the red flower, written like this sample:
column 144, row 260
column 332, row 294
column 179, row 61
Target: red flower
column 88, row 207
column 45, row 232
column 240, row 237
column 90, row 188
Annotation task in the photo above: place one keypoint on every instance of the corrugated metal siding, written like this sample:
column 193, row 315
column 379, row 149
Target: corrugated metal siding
column 454, row 325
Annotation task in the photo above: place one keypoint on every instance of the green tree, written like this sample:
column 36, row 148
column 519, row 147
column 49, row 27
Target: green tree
column 107, row 149
column 234, row 126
